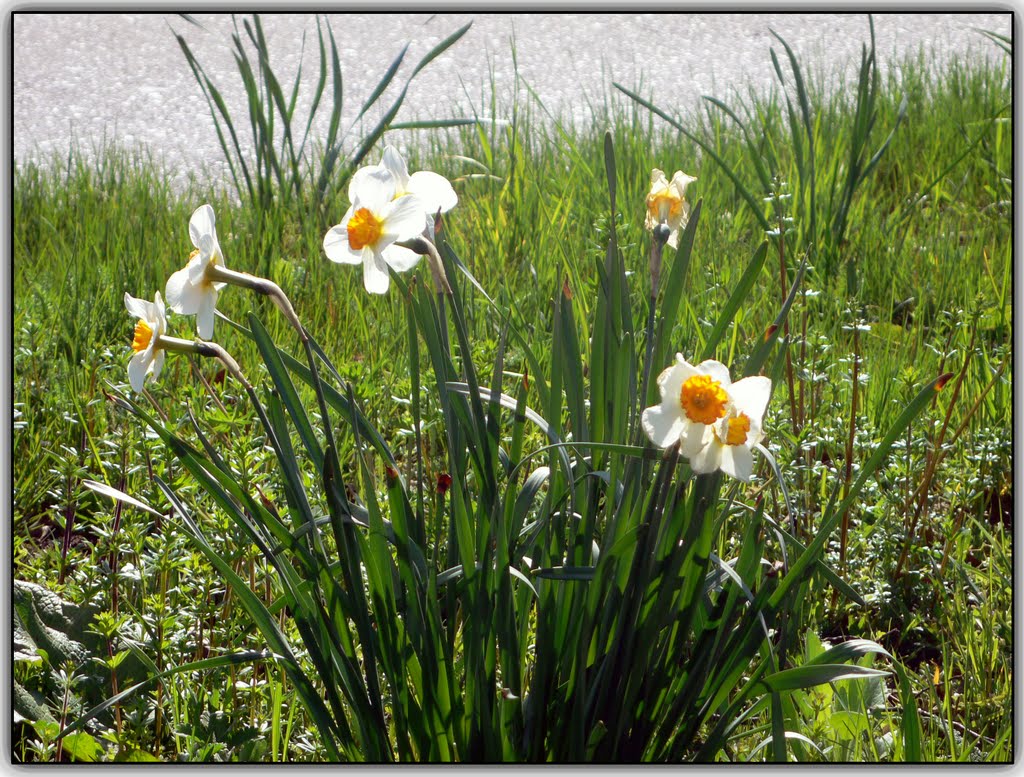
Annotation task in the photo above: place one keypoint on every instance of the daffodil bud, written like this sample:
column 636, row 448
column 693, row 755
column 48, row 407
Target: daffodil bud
column 667, row 205
column 422, row 246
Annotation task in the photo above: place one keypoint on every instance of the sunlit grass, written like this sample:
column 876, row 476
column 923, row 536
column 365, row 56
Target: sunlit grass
column 932, row 243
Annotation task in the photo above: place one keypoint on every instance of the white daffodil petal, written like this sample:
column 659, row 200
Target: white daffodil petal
column 433, row 190
column 756, row 433
column 205, row 314
column 394, row 163
column 400, row 259
column 681, row 180
column 337, row 247
column 670, row 382
column 751, row 395
column 371, row 187
column 196, row 267
column 737, row 461
column 403, row 220
column 157, row 364
column 183, row 295
column 137, row 372
column 138, row 308
column 693, row 439
column 662, row 425
column 375, row 272
column 708, row 459
column 207, row 246
column 161, row 313
column 203, row 222
column 717, row 371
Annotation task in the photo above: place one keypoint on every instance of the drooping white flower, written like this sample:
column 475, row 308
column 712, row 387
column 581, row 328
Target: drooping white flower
column 666, row 203
column 734, row 435
column 375, row 220
column 192, row 290
column 149, row 329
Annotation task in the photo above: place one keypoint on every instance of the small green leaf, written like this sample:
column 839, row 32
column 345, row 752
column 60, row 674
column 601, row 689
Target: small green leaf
column 134, row 756
column 817, row 674
column 82, row 747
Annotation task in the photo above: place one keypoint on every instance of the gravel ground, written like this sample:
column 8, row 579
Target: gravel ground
column 92, row 77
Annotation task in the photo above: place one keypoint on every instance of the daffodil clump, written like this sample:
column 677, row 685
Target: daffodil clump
column 526, row 607
column 715, row 423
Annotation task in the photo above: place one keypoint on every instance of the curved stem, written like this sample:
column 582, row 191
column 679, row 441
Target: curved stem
column 262, row 286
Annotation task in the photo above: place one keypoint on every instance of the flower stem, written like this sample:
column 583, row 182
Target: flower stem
column 216, row 272
column 660, row 236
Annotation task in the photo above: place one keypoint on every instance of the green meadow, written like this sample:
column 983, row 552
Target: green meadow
column 649, row 613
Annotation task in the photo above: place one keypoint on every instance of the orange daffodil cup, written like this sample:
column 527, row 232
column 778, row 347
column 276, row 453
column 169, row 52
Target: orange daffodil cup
column 715, row 421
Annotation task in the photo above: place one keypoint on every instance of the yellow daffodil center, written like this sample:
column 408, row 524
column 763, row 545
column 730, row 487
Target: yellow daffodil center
column 364, row 229
column 143, row 334
column 665, row 205
column 737, row 430
column 703, row 399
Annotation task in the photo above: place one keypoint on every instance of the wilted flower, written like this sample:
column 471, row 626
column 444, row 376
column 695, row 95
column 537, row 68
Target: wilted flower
column 734, row 435
column 377, row 218
column 147, row 345
column 666, row 203
column 192, row 290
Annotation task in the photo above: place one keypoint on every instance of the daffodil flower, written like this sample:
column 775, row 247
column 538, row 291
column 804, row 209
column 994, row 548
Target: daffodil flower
column 376, row 219
column 151, row 343
column 193, row 289
column 147, row 342
column 692, row 399
column 434, row 191
column 666, row 203
column 735, row 434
